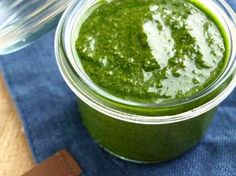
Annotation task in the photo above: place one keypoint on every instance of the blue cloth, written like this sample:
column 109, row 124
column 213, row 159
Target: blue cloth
column 51, row 121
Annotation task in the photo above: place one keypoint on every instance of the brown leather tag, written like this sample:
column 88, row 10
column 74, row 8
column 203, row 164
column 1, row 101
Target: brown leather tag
column 61, row 164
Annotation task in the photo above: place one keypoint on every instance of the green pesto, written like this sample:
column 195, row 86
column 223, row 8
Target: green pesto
column 141, row 142
column 151, row 51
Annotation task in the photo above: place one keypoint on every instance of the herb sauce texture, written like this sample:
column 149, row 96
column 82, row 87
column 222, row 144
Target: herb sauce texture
column 150, row 51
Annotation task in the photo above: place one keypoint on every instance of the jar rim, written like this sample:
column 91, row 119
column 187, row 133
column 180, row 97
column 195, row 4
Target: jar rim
column 66, row 59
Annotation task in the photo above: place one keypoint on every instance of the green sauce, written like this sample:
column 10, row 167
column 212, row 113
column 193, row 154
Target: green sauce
column 151, row 51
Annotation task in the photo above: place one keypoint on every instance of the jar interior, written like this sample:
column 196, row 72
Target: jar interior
column 109, row 102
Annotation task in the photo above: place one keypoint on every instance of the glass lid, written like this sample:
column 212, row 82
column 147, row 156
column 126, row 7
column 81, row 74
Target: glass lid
column 22, row 21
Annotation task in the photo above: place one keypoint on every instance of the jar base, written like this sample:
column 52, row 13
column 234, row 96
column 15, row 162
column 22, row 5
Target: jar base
column 133, row 160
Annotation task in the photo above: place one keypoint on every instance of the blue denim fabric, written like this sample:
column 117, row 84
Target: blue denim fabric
column 51, row 121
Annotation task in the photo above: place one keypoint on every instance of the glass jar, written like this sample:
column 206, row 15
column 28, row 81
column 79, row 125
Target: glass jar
column 145, row 133
column 23, row 21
